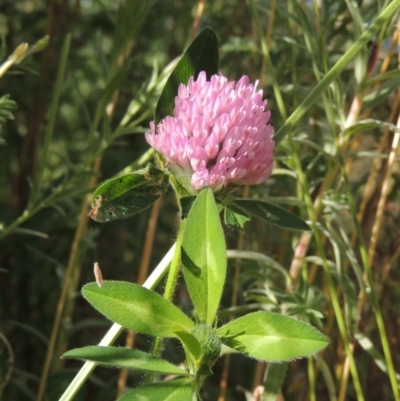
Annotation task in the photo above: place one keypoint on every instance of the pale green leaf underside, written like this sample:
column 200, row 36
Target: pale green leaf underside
column 171, row 390
column 136, row 308
column 124, row 358
column 204, row 256
column 272, row 337
column 191, row 344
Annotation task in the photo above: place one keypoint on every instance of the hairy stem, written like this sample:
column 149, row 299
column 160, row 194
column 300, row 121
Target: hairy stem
column 169, row 289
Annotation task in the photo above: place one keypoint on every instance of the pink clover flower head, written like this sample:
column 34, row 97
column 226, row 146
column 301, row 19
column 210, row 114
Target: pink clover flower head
column 218, row 134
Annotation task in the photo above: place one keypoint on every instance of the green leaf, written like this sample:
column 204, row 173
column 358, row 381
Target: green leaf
column 272, row 337
column 235, row 217
column 364, row 125
column 361, row 58
column 275, row 373
column 124, row 358
column 376, row 80
column 204, row 256
column 40, row 44
column 328, row 378
column 7, row 104
column 379, row 360
column 171, row 390
column 136, row 308
column 259, row 258
column 201, row 55
column 128, row 194
column 381, row 94
column 271, row 214
column 191, row 344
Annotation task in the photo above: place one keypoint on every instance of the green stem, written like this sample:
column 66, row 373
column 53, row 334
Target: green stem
column 311, row 378
column 169, row 289
column 155, row 350
column 175, row 264
column 334, row 72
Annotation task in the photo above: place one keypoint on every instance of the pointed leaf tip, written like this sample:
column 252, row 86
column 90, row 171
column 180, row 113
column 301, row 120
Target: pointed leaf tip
column 272, row 337
column 124, row 358
column 271, row 214
column 136, row 308
column 204, row 256
column 201, row 55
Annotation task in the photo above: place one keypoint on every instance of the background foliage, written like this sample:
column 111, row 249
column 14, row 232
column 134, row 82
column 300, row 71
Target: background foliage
column 83, row 103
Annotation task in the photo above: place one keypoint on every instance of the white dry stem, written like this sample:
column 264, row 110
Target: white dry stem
column 116, row 329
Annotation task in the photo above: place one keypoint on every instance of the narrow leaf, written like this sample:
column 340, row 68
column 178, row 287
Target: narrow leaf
column 379, row 360
column 387, row 13
column 328, row 377
column 136, row 308
column 272, row 337
column 376, row 80
column 259, row 258
column 364, row 125
column 124, row 358
column 201, row 55
column 129, row 194
column 204, row 256
column 271, row 214
column 171, row 390
column 275, row 373
column 28, row 231
column 381, row 93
